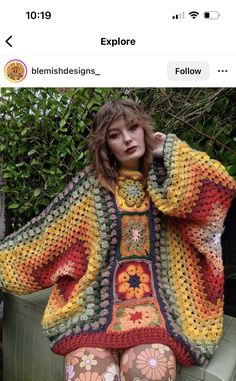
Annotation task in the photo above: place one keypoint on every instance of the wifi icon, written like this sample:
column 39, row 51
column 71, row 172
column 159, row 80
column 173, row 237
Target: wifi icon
column 193, row 14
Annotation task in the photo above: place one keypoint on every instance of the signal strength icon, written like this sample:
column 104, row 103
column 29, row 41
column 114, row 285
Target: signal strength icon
column 178, row 16
column 193, row 14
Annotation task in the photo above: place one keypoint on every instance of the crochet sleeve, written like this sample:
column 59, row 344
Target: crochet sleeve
column 196, row 193
column 194, row 184
column 54, row 245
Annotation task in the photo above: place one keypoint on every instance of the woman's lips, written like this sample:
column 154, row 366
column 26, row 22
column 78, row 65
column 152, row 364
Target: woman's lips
column 131, row 149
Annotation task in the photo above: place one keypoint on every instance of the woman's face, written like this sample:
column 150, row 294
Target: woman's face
column 126, row 142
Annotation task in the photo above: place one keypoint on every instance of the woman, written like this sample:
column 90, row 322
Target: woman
column 132, row 249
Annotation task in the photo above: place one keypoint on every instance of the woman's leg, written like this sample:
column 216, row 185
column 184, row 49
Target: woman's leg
column 92, row 364
column 148, row 362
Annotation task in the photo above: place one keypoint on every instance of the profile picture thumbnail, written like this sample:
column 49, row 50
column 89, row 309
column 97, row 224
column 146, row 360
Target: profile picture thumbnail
column 15, row 70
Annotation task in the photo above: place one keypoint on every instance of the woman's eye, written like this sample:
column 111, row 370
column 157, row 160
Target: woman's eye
column 113, row 136
column 133, row 127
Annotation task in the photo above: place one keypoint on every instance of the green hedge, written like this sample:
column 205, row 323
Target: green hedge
column 44, row 143
column 205, row 118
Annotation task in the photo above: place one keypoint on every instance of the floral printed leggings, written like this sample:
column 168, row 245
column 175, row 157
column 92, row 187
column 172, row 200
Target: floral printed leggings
column 142, row 363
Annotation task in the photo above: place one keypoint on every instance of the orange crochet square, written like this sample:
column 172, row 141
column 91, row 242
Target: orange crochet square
column 133, row 280
column 138, row 314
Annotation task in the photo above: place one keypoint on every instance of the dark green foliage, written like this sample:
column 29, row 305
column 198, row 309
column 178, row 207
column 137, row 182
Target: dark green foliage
column 205, row 118
column 44, row 138
column 44, row 134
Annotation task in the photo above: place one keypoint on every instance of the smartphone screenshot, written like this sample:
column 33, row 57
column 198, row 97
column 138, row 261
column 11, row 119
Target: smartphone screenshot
column 117, row 190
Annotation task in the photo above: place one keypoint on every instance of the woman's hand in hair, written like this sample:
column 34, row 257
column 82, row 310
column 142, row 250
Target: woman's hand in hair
column 159, row 139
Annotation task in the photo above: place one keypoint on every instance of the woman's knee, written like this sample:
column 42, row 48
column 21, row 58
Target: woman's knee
column 96, row 364
column 154, row 362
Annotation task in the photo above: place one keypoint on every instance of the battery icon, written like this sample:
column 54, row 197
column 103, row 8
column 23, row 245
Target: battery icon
column 212, row 15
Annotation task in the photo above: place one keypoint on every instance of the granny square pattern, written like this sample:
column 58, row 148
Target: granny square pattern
column 137, row 266
column 133, row 280
column 135, row 236
column 140, row 314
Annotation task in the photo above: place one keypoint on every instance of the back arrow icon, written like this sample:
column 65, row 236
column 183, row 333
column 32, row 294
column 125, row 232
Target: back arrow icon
column 7, row 41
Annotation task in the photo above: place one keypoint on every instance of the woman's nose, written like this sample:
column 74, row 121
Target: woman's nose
column 126, row 136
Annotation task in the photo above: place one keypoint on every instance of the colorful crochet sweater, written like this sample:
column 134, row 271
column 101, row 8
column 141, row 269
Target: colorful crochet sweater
column 138, row 266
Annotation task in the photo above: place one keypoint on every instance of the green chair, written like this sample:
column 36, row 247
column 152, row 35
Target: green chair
column 27, row 356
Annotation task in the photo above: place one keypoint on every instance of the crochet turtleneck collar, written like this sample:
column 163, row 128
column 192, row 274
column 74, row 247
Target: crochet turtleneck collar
column 129, row 190
column 129, row 174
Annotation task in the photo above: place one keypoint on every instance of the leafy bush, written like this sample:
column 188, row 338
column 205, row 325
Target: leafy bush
column 205, row 118
column 44, row 137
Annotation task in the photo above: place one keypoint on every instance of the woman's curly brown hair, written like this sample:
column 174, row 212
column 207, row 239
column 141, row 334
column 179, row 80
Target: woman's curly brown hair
column 101, row 157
